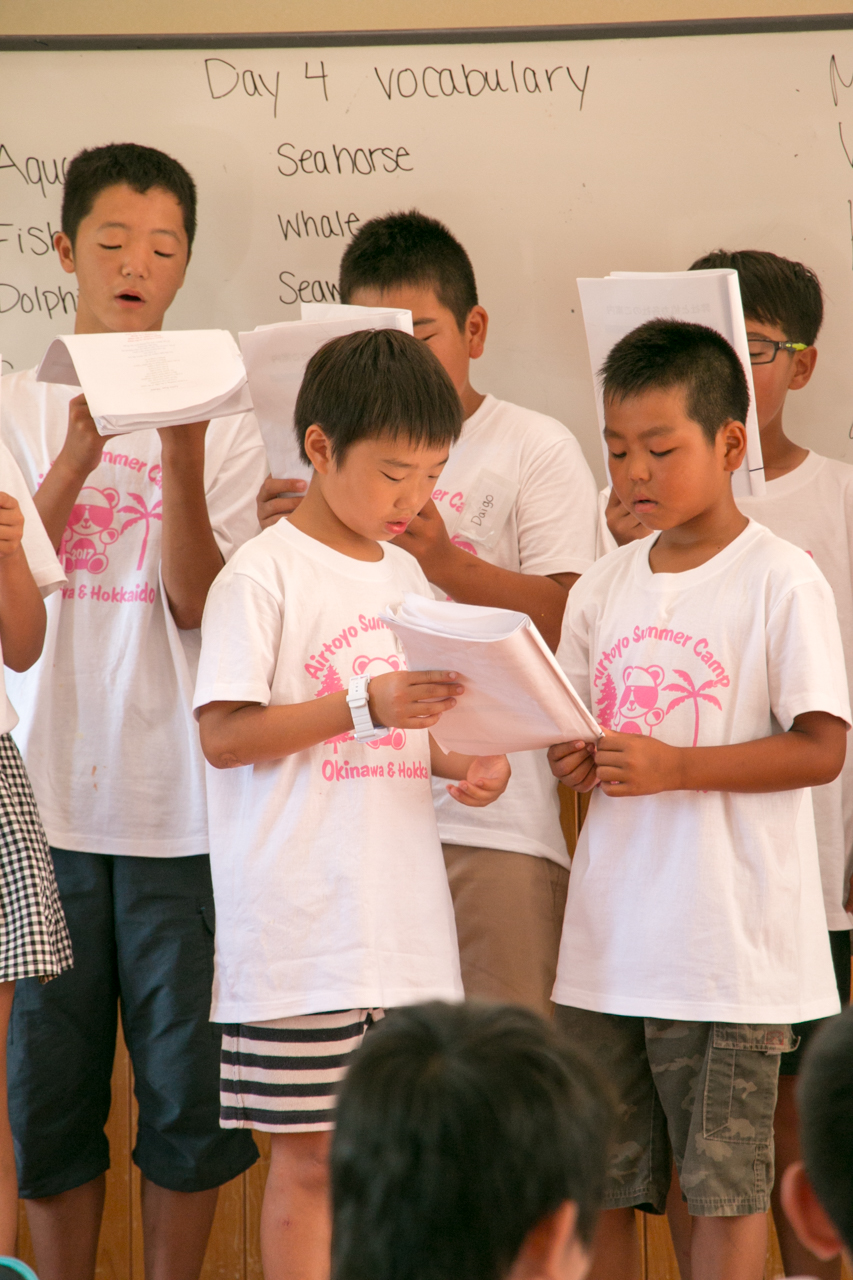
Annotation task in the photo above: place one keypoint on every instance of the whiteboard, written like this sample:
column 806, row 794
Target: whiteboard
column 549, row 160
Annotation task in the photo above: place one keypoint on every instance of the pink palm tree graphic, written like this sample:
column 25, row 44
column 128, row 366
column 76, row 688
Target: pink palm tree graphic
column 140, row 512
column 689, row 693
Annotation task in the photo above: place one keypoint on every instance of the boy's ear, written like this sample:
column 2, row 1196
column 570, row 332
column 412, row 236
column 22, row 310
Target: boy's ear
column 318, row 446
column 802, row 368
column 65, row 252
column 806, row 1214
column 733, row 435
column 476, row 328
column 552, row 1249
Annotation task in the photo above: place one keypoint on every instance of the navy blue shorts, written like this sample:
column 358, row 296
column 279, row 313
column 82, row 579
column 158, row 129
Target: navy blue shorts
column 142, row 933
column 839, row 942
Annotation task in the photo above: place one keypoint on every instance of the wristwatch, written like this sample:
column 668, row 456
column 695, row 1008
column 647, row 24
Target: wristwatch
column 365, row 729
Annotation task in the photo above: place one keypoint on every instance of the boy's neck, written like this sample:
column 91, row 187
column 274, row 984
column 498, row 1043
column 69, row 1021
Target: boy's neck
column 471, row 400
column 316, row 518
column 689, row 545
column 780, row 454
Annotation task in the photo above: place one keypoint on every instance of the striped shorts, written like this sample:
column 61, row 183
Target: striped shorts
column 282, row 1076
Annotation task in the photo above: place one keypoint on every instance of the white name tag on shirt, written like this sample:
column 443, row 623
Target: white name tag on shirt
column 487, row 506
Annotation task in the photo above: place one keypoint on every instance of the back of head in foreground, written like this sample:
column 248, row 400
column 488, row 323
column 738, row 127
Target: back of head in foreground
column 818, row 1193
column 663, row 355
column 471, row 1144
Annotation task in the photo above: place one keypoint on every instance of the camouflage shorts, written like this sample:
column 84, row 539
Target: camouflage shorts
column 703, row 1092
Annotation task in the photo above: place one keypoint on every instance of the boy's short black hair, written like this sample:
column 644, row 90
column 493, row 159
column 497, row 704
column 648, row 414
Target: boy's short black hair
column 774, row 290
column 825, row 1098
column 140, row 168
column 410, row 249
column 673, row 353
column 377, row 382
column 459, row 1128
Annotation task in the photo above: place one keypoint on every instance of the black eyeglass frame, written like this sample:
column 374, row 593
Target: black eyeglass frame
column 777, row 347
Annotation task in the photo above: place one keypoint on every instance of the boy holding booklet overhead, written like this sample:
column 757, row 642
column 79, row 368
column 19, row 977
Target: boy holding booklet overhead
column 512, row 524
column 693, row 935
column 332, row 901
column 142, row 524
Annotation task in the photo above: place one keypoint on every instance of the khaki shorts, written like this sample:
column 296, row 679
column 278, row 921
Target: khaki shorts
column 509, row 911
column 703, row 1092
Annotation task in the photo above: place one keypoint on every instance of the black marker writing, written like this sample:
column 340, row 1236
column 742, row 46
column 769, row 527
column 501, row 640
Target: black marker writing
column 472, row 82
column 836, row 79
column 307, row 290
column 35, row 171
column 328, row 226
column 363, row 160
column 35, row 240
column 47, row 300
column 223, row 78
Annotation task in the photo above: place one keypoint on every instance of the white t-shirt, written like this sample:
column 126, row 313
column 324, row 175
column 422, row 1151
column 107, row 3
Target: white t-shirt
column 701, row 905
column 812, row 506
column 517, row 491
column 329, row 881
column 106, row 724
column 41, row 558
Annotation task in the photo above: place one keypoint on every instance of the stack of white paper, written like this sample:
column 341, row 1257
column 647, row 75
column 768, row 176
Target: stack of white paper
column 623, row 300
column 276, row 356
column 134, row 380
column 516, row 696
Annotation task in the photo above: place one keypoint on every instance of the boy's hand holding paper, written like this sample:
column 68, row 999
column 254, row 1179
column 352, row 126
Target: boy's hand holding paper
column 516, row 697
column 158, row 379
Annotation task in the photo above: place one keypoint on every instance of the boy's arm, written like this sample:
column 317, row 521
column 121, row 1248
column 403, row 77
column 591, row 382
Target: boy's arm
column 77, row 459
column 810, row 754
column 481, row 778
column 470, row 580
column 22, row 613
column 190, row 558
column 234, row 734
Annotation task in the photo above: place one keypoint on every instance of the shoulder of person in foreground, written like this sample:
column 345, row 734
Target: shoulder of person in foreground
column 817, row 1192
column 473, row 1136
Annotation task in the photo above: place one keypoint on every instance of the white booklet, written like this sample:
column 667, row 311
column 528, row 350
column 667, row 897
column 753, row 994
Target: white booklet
column 165, row 379
column 276, row 356
column 618, row 303
column 516, row 696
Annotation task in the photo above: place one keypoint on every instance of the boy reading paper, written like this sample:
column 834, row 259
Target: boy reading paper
column 512, row 524
column 694, row 930
column 332, row 901
column 142, row 525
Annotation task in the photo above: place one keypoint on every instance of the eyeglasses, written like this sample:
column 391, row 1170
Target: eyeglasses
column 763, row 350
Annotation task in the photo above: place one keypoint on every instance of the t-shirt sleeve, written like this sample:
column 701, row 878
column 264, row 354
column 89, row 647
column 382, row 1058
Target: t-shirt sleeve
column 235, row 468
column 573, row 650
column 557, row 509
column 41, row 557
column 805, row 658
column 240, row 640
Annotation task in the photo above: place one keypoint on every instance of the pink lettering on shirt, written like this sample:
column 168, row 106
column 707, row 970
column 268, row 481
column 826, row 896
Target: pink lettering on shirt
column 630, row 696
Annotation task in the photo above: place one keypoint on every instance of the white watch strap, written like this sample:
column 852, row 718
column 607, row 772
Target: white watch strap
column 365, row 730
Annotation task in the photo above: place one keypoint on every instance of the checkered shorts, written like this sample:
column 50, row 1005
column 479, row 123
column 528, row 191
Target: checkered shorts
column 34, row 941
column 282, row 1076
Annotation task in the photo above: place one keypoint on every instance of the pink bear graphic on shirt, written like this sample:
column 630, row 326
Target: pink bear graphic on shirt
column 89, row 531
column 395, row 738
column 638, row 704
column 363, row 666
